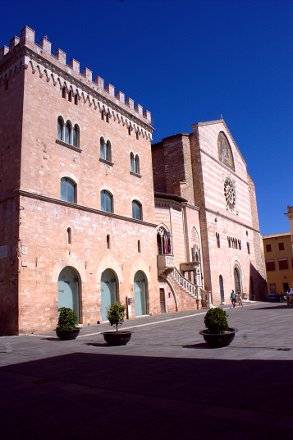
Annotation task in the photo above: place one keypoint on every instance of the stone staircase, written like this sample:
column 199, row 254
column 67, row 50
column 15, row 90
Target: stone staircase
column 194, row 292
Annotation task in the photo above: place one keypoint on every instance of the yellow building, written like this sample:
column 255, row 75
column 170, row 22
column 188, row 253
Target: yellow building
column 279, row 262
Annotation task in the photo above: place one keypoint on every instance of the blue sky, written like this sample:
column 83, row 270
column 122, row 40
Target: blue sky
column 189, row 61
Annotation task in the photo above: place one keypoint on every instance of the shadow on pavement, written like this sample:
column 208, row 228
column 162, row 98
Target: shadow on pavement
column 90, row 396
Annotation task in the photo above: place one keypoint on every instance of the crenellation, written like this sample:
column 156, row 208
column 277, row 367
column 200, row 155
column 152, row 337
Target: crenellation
column 75, row 65
column 46, row 45
column 110, row 89
column 3, row 51
column 44, row 49
column 61, row 56
column 100, row 82
column 121, row 97
column 139, row 109
column 27, row 35
column 130, row 103
column 13, row 42
column 147, row 115
column 88, row 74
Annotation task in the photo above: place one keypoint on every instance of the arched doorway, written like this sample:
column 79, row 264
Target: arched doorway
column 69, row 290
column 140, row 293
column 222, row 293
column 237, row 280
column 108, row 291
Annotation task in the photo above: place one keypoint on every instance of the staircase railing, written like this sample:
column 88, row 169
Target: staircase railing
column 194, row 291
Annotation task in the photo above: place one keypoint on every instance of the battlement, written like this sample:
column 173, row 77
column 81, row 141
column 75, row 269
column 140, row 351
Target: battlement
column 44, row 48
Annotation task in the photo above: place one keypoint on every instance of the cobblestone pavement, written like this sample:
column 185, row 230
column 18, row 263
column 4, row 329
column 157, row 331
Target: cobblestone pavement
column 165, row 382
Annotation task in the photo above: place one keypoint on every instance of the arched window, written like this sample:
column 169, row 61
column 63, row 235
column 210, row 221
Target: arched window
column 132, row 163
column 136, row 164
column 68, row 190
column 75, row 136
column 60, row 127
column 68, row 129
column 136, row 210
column 106, row 201
column 225, row 151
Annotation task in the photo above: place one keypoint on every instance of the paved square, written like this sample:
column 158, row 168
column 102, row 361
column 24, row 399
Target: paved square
column 164, row 383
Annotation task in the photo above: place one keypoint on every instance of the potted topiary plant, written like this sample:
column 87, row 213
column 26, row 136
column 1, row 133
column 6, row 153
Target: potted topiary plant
column 217, row 332
column 115, row 315
column 67, row 324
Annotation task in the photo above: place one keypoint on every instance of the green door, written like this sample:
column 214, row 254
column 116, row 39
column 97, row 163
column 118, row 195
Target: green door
column 108, row 291
column 140, row 294
column 68, row 290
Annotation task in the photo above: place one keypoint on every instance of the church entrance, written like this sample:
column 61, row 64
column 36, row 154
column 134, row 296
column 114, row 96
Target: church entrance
column 68, row 290
column 108, row 291
column 237, row 280
column 140, row 293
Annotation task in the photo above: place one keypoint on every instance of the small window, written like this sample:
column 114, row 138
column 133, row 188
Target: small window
column 136, row 163
column 76, row 99
column 137, row 135
column 281, row 247
column 138, row 246
column 68, row 190
column 70, row 96
column 283, row 264
column 60, row 127
column 106, row 201
column 132, row 163
column 129, row 131
column 270, row 265
column 69, row 236
column 108, row 151
column 68, row 132
column 64, row 92
column 108, row 242
column 268, row 247
column 248, row 248
column 218, row 240
column 75, row 136
column 136, row 210
column 239, row 244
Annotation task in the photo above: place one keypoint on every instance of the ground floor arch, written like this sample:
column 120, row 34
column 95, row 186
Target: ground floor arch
column 109, row 291
column 140, row 294
column 69, row 290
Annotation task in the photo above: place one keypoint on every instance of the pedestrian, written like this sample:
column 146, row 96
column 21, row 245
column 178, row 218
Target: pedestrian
column 233, row 298
column 239, row 299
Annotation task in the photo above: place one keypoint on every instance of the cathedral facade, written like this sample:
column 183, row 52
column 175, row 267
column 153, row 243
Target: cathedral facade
column 81, row 225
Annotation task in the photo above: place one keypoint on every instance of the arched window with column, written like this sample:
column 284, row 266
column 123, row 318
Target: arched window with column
column 68, row 130
column 60, row 128
column 163, row 241
column 75, row 136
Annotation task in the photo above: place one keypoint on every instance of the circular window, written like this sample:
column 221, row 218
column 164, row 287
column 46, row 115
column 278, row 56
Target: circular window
column 230, row 193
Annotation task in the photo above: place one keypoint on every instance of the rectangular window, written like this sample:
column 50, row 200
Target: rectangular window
column 268, row 247
column 248, row 248
column 281, row 246
column 283, row 264
column 270, row 265
column 273, row 288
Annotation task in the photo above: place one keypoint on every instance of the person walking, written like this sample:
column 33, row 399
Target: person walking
column 239, row 299
column 233, row 298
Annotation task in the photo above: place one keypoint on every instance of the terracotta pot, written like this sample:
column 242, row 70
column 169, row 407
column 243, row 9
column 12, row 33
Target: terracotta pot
column 67, row 335
column 218, row 339
column 117, row 338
